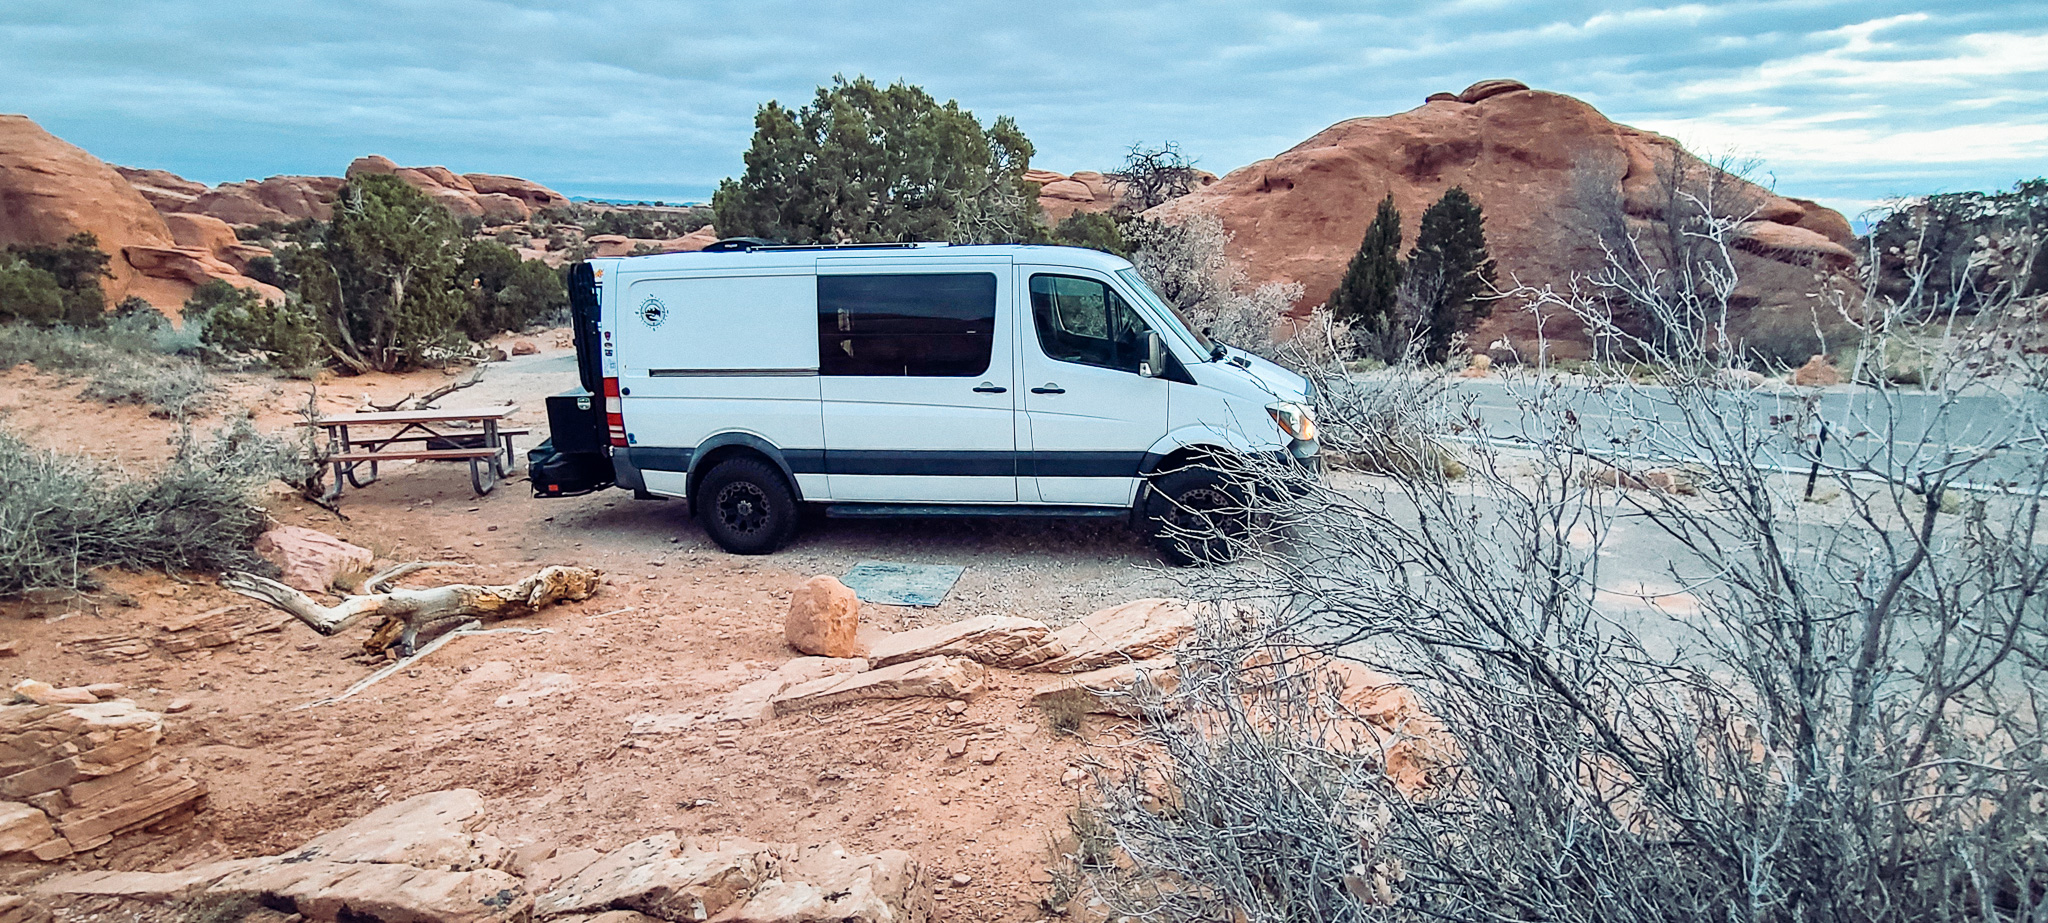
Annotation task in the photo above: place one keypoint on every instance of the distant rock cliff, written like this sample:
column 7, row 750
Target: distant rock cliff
column 1554, row 177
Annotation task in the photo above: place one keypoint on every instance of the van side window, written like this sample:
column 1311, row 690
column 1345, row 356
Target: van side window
column 1087, row 322
column 923, row 324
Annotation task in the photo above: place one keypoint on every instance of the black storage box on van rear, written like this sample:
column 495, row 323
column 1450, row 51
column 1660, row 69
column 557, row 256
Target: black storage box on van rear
column 576, row 422
column 576, row 457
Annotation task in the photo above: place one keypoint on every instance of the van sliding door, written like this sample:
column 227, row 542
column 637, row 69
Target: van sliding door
column 916, row 372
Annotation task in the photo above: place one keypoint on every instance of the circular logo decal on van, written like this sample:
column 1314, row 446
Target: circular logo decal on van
column 653, row 312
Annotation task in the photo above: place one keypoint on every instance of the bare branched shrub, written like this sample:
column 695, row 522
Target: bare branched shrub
column 1184, row 261
column 1153, row 176
column 1734, row 705
column 63, row 517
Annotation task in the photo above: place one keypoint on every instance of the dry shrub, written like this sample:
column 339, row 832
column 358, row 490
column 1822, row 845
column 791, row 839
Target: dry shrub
column 64, row 516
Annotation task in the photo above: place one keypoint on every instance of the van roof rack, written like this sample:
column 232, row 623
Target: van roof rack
column 744, row 244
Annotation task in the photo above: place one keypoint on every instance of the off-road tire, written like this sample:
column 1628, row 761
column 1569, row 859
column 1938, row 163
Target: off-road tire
column 1197, row 500
column 747, row 506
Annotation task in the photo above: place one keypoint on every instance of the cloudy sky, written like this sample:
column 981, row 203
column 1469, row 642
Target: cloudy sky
column 1847, row 101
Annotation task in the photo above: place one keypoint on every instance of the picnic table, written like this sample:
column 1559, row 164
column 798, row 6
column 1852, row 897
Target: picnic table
column 441, row 435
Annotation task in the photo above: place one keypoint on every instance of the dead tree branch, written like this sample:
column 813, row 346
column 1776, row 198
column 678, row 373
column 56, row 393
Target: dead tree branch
column 408, row 613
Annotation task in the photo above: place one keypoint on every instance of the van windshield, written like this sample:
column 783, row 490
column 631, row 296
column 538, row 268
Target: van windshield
column 1166, row 312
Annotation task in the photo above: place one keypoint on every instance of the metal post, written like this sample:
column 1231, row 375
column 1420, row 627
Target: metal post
column 1818, row 446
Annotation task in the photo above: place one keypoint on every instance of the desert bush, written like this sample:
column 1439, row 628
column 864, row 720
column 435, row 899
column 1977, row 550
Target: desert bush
column 1184, row 263
column 170, row 389
column 659, row 223
column 1094, row 230
column 77, row 265
column 1842, row 724
column 1152, row 176
column 382, row 276
column 28, row 294
column 233, row 320
column 63, row 517
column 506, row 292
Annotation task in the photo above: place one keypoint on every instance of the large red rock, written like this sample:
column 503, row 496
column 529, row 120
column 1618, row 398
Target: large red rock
column 276, row 199
column 1553, row 176
column 167, row 191
column 50, row 190
column 824, row 619
column 533, row 194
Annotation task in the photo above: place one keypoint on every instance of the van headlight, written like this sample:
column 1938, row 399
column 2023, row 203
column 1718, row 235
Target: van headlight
column 1295, row 420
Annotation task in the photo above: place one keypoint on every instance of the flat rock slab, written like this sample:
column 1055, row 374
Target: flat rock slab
column 155, row 887
column 941, row 677
column 1134, row 631
column 378, row 892
column 886, row 583
column 662, row 877
column 436, row 830
column 1118, row 690
column 996, row 640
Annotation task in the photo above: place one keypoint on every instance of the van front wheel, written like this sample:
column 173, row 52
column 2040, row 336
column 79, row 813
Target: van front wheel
column 747, row 507
column 1195, row 516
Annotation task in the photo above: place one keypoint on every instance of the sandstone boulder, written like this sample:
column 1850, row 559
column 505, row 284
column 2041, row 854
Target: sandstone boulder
column 276, row 199
column 535, row 195
column 1554, row 177
column 1787, row 243
column 50, row 190
column 165, row 190
column 150, row 887
column 1818, row 372
column 824, row 619
column 310, row 559
column 23, row 828
column 525, row 348
column 93, row 770
column 498, row 207
column 695, row 240
column 1487, row 89
column 996, row 640
column 1139, row 630
column 16, row 908
column 942, row 677
column 42, row 693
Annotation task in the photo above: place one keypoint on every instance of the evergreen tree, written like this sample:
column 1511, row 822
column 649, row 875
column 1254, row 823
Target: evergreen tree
column 1365, row 297
column 384, row 277
column 864, row 163
column 1452, row 271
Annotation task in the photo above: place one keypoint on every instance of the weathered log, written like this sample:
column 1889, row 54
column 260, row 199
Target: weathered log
column 409, row 613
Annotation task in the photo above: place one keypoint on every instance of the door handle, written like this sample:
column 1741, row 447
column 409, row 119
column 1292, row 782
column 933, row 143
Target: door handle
column 988, row 388
column 1049, row 388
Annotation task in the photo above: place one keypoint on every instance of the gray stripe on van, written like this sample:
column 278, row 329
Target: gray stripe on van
column 732, row 373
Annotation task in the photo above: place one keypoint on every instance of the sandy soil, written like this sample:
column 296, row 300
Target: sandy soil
column 539, row 722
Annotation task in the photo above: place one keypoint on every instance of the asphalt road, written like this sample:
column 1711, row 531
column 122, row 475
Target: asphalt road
column 1896, row 432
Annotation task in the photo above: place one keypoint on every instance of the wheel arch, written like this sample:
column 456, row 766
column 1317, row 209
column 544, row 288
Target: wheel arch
column 717, row 449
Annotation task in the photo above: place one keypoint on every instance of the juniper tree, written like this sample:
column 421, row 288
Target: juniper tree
column 1452, row 271
column 866, row 163
column 1365, row 297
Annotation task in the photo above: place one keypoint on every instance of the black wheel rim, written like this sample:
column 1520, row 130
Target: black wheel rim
column 1203, row 520
column 743, row 508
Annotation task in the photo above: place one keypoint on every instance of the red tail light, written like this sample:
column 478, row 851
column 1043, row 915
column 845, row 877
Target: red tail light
column 614, row 415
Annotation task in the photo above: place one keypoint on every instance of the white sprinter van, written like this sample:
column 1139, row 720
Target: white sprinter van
column 910, row 380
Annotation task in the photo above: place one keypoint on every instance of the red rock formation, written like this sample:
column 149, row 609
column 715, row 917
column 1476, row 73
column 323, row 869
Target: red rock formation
column 50, row 190
column 533, row 194
column 1061, row 196
column 167, row 191
column 1553, row 176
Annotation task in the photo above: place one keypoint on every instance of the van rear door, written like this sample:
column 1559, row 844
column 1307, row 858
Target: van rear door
column 916, row 366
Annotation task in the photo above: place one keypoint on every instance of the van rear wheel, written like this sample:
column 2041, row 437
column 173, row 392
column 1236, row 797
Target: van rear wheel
column 1195, row 516
column 747, row 507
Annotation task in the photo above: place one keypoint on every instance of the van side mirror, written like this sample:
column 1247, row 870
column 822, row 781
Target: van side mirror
column 1155, row 356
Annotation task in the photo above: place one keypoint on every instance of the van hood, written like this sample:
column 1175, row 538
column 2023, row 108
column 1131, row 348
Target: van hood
column 1258, row 379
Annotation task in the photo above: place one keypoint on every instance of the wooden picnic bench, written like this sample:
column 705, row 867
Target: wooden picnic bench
column 442, row 435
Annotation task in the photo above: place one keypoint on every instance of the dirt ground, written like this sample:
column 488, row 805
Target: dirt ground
column 539, row 723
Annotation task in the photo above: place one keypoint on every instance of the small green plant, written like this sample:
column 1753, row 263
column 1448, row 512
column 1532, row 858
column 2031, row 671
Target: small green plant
column 1065, row 710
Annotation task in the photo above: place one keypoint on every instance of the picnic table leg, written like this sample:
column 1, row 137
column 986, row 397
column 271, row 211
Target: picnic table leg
column 334, row 490
column 483, row 474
